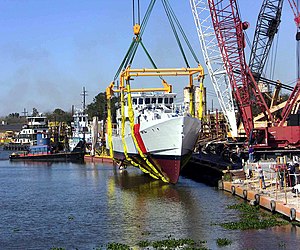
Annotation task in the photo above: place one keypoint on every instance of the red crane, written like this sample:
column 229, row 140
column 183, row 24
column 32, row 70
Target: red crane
column 296, row 92
column 229, row 30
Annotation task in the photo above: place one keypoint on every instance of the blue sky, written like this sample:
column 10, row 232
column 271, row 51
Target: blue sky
column 51, row 49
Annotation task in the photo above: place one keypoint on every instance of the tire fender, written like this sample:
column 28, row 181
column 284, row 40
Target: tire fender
column 272, row 206
column 233, row 190
column 293, row 214
column 257, row 198
column 245, row 193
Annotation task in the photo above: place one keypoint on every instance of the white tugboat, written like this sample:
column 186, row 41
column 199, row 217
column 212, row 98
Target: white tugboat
column 81, row 131
column 35, row 125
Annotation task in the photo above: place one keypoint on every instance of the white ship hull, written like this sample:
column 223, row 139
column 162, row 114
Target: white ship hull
column 167, row 143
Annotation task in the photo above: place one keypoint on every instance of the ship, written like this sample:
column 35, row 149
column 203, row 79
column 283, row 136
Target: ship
column 153, row 131
column 43, row 151
column 81, row 131
column 29, row 132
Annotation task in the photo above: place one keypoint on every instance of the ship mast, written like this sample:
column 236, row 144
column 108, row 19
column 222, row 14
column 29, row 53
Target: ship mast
column 84, row 94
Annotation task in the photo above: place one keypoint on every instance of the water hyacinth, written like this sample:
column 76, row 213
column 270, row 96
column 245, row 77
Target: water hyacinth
column 252, row 217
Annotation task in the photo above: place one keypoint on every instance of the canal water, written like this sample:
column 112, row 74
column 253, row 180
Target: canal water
column 86, row 206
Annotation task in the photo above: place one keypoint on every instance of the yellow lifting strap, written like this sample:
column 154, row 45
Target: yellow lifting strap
column 131, row 120
column 191, row 106
column 131, row 161
column 109, row 128
column 200, row 107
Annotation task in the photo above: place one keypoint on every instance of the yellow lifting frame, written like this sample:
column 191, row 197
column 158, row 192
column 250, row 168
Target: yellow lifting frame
column 125, row 76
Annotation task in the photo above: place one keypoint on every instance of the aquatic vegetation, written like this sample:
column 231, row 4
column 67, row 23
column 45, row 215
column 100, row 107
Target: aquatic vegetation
column 70, row 217
column 223, row 242
column 282, row 245
column 15, row 230
column 117, row 246
column 166, row 244
column 144, row 243
column 253, row 218
column 296, row 223
column 172, row 243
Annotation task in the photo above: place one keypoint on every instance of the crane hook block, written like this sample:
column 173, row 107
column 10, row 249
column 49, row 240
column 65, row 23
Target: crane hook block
column 245, row 25
column 136, row 29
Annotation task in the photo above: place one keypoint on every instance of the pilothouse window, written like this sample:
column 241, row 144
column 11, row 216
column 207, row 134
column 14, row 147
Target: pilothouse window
column 171, row 100
column 147, row 100
column 134, row 101
column 166, row 100
column 160, row 100
column 141, row 101
column 153, row 100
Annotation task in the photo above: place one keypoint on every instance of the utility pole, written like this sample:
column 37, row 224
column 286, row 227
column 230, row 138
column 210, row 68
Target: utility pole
column 25, row 112
column 84, row 94
column 85, row 121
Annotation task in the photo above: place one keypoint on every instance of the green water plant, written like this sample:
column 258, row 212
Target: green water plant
column 117, row 246
column 172, row 243
column 70, row 217
column 251, row 217
column 223, row 242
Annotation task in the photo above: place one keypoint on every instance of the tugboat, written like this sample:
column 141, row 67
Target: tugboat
column 81, row 131
column 42, row 151
column 35, row 135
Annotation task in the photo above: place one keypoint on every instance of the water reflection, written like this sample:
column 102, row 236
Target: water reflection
column 109, row 205
column 153, row 209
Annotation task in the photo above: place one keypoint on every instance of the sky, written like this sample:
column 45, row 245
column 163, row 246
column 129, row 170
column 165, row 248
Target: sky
column 51, row 49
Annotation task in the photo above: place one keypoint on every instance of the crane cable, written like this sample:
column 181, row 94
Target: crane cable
column 171, row 15
column 128, row 59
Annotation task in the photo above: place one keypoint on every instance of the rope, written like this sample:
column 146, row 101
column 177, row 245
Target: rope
column 128, row 59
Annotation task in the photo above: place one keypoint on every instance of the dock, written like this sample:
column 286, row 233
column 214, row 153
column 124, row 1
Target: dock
column 272, row 196
column 99, row 159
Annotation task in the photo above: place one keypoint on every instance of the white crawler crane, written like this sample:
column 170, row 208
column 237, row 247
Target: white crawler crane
column 214, row 61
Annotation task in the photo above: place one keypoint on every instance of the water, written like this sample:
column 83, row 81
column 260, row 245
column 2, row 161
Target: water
column 85, row 206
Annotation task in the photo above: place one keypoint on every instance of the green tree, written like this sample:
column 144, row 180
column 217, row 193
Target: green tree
column 35, row 112
column 15, row 118
column 99, row 106
column 60, row 115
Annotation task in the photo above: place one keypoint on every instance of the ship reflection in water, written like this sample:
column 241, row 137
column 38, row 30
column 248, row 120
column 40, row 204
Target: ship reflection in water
column 80, row 206
column 187, row 210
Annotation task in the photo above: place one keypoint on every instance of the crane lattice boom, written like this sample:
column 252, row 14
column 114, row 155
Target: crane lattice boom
column 229, row 31
column 213, row 60
column 266, row 27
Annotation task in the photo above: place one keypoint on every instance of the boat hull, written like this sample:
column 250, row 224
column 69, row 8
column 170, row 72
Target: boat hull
column 56, row 157
column 166, row 146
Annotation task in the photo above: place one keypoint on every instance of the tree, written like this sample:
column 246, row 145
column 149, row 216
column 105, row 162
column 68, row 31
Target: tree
column 59, row 115
column 99, row 106
column 35, row 112
column 15, row 118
